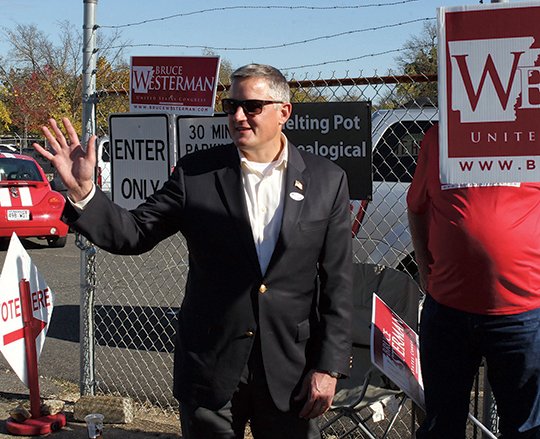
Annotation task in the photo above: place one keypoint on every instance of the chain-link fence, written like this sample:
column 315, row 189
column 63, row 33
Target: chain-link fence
column 136, row 298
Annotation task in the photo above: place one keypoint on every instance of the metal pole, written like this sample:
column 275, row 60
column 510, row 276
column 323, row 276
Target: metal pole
column 89, row 70
column 87, row 373
column 490, row 418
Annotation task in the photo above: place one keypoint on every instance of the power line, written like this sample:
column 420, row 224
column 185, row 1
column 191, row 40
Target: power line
column 279, row 46
column 229, row 8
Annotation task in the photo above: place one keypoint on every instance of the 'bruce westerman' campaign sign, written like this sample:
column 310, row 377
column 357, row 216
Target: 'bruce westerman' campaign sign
column 489, row 93
column 174, row 84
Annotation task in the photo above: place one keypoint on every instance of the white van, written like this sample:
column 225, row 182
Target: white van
column 103, row 169
column 380, row 227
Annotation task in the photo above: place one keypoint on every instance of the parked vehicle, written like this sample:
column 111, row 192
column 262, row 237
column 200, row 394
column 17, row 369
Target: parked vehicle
column 8, row 147
column 44, row 164
column 28, row 205
column 380, row 226
column 103, row 170
column 57, row 184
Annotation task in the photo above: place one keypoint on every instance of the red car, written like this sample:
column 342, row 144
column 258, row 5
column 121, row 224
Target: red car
column 28, row 205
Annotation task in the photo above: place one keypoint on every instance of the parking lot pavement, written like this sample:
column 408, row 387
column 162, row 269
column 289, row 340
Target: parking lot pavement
column 147, row 424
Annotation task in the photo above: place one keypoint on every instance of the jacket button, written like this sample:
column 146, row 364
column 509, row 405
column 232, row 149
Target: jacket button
column 262, row 289
column 249, row 333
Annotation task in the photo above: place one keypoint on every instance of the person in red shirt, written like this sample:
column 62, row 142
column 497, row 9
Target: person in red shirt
column 478, row 252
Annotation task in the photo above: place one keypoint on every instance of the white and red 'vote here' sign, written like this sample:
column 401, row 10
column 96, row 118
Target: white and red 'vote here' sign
column 17, row 266
column 489, row 93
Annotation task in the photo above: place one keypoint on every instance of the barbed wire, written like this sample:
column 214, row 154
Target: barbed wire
column 86, row 43
column 228, row 8
column 277, row 46
column 343, row 60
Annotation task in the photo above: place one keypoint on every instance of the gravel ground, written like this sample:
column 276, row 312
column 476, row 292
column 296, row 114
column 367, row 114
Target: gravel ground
column 148, row 422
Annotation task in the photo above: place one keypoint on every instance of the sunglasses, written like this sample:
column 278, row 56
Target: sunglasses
column 250, row 106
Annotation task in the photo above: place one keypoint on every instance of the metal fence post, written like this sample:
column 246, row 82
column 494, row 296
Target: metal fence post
column 490, row 417
column 87, row 372
column 89, row 70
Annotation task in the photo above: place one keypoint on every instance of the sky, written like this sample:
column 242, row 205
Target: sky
column 371, row 30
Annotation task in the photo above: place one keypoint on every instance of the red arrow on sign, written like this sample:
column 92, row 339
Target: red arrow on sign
column 36, row 326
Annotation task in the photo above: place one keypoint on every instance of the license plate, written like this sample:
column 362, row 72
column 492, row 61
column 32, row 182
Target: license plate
column 18, row 215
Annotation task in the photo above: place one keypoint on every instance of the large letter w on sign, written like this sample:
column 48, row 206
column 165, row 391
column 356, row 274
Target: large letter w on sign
column 486, row 77
column 489, row 68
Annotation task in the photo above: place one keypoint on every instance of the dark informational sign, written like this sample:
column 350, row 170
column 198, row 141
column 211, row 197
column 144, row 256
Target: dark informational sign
column 339, row 131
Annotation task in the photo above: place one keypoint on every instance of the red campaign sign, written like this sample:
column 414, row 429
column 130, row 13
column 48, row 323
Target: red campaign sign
column 394, row 350
column 489, row 92
column 177, row 84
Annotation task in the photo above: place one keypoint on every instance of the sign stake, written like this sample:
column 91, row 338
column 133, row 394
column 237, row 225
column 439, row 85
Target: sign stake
column 30, row 347
column 37, row 424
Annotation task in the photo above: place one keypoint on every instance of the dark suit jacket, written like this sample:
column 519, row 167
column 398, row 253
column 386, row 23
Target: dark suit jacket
column 301, row 307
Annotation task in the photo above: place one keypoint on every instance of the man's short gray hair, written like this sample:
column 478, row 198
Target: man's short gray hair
column 279, row 87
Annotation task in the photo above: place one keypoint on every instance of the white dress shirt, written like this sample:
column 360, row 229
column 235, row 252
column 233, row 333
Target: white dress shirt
column 264, row 192
column 263, row 188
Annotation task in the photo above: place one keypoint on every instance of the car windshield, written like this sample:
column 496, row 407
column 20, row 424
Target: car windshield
column 17, row 169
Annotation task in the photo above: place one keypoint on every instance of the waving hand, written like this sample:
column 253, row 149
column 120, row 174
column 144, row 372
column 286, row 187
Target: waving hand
column 74, row 164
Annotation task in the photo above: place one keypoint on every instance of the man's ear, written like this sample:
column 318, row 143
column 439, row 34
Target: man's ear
column 286, row 110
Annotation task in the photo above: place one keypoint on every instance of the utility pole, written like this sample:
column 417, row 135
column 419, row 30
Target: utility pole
column 87, row 373
column 89, row 70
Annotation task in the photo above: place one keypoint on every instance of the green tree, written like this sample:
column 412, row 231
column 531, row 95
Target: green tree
column 55, row 68
column 31, row 101
column 419, row 57
column 5, row 117
column 36, row 61
column 112, row 84
column 225, row 67
column 307, row 94
column 224, row 77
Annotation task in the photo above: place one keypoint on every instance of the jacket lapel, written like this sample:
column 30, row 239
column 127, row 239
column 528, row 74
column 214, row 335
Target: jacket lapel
column 296, row 184
column 230, row 182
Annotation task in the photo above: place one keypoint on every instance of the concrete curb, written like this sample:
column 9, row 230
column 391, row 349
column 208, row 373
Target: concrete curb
column 115, row 409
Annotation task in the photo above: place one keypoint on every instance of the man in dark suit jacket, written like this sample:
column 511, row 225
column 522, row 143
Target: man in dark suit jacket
column 264, row 328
